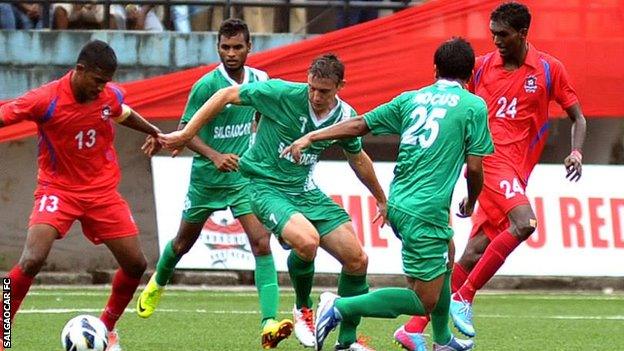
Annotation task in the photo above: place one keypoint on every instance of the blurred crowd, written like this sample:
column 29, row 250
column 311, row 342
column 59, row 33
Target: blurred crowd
column 183, row 18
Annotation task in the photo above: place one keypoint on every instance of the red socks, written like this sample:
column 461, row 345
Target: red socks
column 124, row 287
column 458, row 277
column 20, row 284
column 492, row 259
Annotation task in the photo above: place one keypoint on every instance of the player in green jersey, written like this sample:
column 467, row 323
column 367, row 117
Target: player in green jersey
column 216, row 185
column 441, row 126
column 283, row 194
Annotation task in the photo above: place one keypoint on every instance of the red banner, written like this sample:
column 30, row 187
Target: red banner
column 393, row 54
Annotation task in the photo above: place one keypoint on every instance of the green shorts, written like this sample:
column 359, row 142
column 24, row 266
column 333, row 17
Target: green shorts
column 201, row 202
column 425, row 246
column 274, row 207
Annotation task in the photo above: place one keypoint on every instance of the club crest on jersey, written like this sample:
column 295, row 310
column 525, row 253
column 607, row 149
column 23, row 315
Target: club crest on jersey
column 106, row 112
column 530, row 84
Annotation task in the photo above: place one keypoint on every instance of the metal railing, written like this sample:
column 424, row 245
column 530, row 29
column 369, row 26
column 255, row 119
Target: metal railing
column 227, row 5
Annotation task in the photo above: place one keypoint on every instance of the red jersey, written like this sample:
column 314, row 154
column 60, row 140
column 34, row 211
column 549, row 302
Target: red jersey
column 517, row 104
column 75, row 140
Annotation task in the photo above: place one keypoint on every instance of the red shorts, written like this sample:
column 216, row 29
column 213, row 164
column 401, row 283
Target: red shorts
column 104, row 215
column 503, row 190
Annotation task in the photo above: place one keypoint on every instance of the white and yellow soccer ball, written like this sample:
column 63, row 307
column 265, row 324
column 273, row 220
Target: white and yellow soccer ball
column 84, row 333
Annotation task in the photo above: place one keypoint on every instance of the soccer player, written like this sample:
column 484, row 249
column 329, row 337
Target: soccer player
column 283, row 194
column 517, row 82
column 79, row 174
column 441, row 126
column 216, row 184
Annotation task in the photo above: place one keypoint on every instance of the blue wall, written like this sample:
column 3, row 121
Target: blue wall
column 31, row 58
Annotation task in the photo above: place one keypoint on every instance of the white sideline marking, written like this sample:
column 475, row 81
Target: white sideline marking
column 178, row 292
column 204, row 311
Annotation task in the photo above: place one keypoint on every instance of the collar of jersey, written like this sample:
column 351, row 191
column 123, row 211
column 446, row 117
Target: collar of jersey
column 223, row 72
column 448, row 83
column 318, row 122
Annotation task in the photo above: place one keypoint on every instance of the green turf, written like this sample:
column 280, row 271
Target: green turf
column 224, row 320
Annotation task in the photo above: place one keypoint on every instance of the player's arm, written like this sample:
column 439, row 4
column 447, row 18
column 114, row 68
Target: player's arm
column 574, row 161
column 176, row 140
column 133, row 120
column 223, row 162
column 363, row 168
column 352, row 127
column 474, row 183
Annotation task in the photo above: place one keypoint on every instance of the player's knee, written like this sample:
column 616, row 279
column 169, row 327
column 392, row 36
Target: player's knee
column 136, row 268
column 358, row 264
column 181, row 246
column 260, row 246
column 429, row 303
column 524, row 230
column 307, row 247
column 31, row 265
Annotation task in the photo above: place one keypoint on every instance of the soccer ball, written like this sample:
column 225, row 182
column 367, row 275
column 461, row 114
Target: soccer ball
column 83, row 333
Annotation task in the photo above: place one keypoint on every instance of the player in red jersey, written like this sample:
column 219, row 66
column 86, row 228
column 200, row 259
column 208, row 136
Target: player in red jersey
column 517, row 83
column 79, row 173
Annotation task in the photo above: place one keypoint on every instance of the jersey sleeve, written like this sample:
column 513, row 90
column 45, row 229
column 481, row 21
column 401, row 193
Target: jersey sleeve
column 265, row 97
column 478, row 70
column 200, row 93
column 478, row 138
column 32, row 106
column 353, row 145
column 386, row 119
column 119, row 110
column 562, row 91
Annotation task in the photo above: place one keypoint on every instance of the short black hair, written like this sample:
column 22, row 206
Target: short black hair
column 98, row 54
column 513, row 14
column 327, row 66
column 232, row 27
column 454, row 59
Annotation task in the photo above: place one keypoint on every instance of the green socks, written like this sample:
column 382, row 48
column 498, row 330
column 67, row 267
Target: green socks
column 350, row 285
column 166, row 265
column 301, row 275
column 440, row 314
column 265, row 277
column 382, row 303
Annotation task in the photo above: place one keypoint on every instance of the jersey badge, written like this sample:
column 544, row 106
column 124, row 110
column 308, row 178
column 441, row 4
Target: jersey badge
column 530, row 84
column 106, row 112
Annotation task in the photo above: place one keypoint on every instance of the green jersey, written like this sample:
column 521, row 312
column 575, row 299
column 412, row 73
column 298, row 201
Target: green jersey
column 287, row 116
column 229, row 132
column 439, row 125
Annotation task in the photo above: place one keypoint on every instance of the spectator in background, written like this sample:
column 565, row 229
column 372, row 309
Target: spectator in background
column 21, row 16
column 355, row 16
column 143, row 17
column 82, row 16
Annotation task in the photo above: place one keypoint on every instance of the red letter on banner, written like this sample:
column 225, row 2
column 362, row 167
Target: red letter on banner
column 568, row 220
column 538, row 239
column 595, row 222
column 376, row 240
column 616, row 205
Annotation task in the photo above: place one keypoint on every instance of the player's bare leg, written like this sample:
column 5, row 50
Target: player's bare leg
column 522, row 224
column 265, row 277
column 304, row 240
column 342, row 243
column 186, row 237
column 132, row 265
column 39, row 241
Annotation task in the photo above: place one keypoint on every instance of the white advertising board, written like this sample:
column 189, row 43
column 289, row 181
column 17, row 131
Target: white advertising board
column 581, row 225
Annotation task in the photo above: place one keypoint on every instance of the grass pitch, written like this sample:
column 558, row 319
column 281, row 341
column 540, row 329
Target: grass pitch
column 206, row 320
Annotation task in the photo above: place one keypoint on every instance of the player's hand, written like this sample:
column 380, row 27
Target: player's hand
column 174, row 141
column 465, row 209
column 382, row 214
column 151, row 146
column 574, row 166
column 226, row 162
column 295, row 148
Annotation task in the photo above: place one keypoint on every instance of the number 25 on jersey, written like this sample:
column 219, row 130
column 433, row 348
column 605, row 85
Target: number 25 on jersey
column 424, row 121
